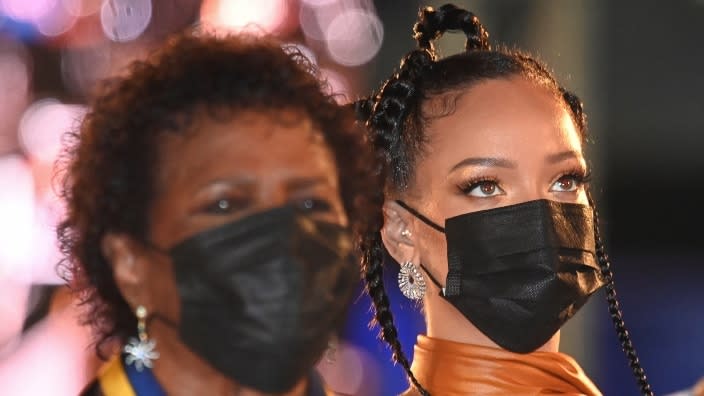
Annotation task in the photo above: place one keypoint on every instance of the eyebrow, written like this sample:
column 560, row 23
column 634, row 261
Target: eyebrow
column 303, row 183
column 563, row 156
column 486, row 162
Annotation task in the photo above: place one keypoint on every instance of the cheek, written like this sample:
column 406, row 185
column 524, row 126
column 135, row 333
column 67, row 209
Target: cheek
column 161, row 285
column 434, row 254
column 582, row 198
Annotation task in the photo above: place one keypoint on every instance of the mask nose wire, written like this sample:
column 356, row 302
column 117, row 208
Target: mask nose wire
column 434, row 226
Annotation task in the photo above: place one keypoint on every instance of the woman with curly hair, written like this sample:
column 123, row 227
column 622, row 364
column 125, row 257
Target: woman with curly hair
column 212, row 192
column 488, row 212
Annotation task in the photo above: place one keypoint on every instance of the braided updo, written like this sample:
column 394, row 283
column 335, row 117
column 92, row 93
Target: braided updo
column 397, row 117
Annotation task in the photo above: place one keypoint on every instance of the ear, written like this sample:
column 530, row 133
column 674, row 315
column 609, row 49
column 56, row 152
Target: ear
column 399, row 234
column 129, row 268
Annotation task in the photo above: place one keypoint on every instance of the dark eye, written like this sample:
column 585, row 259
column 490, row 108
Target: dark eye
column 313, row 205
column 565, row 184
column 226, row 205
column 482, row 189
column 569, row 183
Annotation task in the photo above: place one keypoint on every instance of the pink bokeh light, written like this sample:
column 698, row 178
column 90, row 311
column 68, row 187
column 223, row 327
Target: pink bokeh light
column 82, row 8
column 27, row 10
column 14, row 87
column 56, row 351
column 337, row 84
column 44, row 124
column 17, row 231
column 125, row 20
column 56, row 21
column 354, row 37
column 262, row 16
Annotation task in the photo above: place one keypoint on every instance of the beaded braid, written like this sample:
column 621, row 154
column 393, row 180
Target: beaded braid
column 615, row 309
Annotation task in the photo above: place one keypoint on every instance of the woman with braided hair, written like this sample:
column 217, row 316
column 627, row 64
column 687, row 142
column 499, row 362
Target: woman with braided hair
column 488, row 211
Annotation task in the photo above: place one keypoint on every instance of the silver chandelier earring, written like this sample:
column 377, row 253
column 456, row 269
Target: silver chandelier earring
column 141, row 351
column 411, row 281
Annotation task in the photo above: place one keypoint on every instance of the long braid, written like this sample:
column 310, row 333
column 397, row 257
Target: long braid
column 615, row 310
column 576, row 107
column 395, row 101
column 373, row 253
column 374, row 279
column 393, row 137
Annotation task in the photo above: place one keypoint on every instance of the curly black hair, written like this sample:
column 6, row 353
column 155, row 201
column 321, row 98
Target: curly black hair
column 398, row 114
column 110, row 161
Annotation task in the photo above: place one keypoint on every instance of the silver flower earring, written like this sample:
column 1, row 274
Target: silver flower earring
column 411, row 281
column 141, row 351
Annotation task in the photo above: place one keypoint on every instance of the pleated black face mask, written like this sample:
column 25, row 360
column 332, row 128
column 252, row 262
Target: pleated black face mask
column 261, row 297
column 519, row 272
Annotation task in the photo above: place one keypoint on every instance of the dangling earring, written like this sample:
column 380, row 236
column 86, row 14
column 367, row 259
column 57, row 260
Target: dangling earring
column 142, row 351
column 411, row 281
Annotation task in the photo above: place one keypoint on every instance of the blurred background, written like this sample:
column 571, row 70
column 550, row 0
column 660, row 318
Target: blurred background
column 638, row 65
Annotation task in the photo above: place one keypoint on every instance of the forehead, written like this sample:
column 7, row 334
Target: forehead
column 504, row 117
column 247, row 143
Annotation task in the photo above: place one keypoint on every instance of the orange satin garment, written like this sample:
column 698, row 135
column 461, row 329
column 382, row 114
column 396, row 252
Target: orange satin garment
column 447, row 368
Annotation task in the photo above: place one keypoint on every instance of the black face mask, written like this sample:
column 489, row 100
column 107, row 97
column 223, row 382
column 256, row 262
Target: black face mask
column 519, row 272
column 261, row 297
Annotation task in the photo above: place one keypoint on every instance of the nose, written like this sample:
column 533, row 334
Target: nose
column 530, row 190
column 272, row 194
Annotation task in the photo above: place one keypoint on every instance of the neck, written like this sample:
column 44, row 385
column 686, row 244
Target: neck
column 447, row 323
column 181, row 372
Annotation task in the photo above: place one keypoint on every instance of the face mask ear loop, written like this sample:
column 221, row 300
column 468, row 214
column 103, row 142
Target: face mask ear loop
column 420, row 216
column 433, row 225
column 432, row 279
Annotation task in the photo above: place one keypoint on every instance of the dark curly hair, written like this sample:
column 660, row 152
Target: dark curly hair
column 424, row 88
column 110, row 162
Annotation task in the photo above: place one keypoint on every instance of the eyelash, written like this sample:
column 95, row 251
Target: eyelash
column 468, row 186
column 581, row 177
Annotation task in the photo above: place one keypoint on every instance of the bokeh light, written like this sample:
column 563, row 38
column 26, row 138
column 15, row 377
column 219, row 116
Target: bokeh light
column 302, row 49
column 27, row 10
column 52, row 358
column 44, row 124
column 261, row 16
column 82, row 8
column 354, row 37
column 349, row 370
column 14, row 86
column 318, row 3
column 315, row 18
column 13, row 308
column 56, row 21
column 337, row 84
column 125, row 20
column 17, row 231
